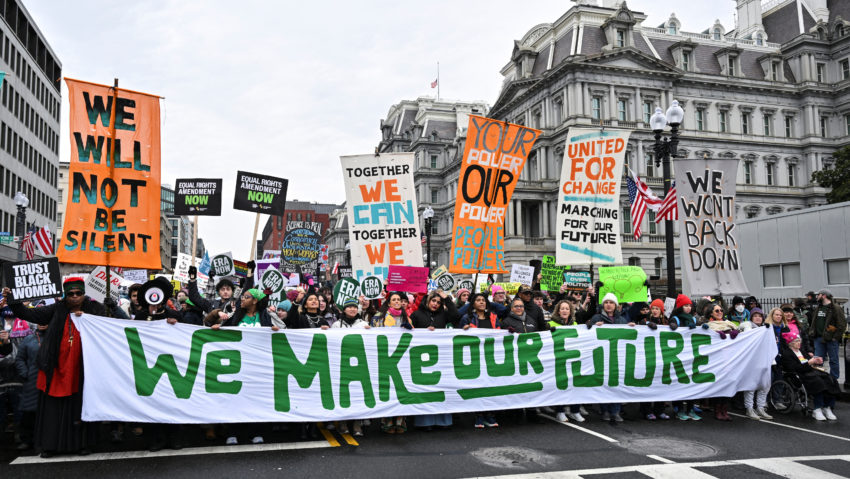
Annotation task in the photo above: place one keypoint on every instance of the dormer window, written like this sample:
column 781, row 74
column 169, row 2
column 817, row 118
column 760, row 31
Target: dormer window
column 671, row 29
column 759, row 39
column 730, row 66
column 686, row 61
column 839, row 31
column 717, row 34
column 774, row 71
column 621, row 38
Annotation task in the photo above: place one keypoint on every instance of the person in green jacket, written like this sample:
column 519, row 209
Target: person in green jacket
column 826, row 327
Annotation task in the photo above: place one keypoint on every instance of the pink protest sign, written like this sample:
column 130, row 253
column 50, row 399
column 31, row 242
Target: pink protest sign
column 409, row 279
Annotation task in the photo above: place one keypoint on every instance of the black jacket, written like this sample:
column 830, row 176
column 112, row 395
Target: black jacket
column 531, row 324
column 440, row 319
column 205, row 305
column 25, row 363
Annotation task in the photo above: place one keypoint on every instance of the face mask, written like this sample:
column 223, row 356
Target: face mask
column 739, row 308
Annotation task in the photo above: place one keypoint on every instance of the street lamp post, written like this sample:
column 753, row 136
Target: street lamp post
column 664, row 151
column 21, row 201
column 427, row 214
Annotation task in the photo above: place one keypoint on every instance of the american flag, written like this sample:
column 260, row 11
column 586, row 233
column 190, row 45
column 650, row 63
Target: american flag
column 640, row 198
column 423, row 238
column 669, row 207
column 435, row 83
column 28, row 245
column 44, row 241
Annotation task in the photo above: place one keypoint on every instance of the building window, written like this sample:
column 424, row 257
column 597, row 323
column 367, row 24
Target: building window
column 774, row 71
column 536, row 119
column 723, row 123
column 289, row 217
column 767, row 120
column 627, row 221
column 634, row 261
column 653, row 228
column 847, row 124
column 769, row 169
column 821, row 75
column 792, row 175
column 748, row 172
column 435, row 195
column 650, row 165
column 433, row 161
column 686, row 61
column 759, row 39
column 838, row 271
column 731, row 66
column 745, row 123
column 789, row 132
column 717, row 34
column 596, row 108
column 845, row 69
column 700, row 119
column 621, row 110
column 298, row 216
column 621, row 38
column 309, row 216
column 823, row 127
column 781, row 275
column 671, row 29
column 647, row 111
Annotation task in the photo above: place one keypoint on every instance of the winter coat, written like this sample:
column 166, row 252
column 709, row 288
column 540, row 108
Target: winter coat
column 265, row 319
column 834, row 316
column 166, row 313
column 440, row 319
column 535, row 312
column 202, row 303
column 525, row 323
column 8, row 373
column 682, row 318
column 358, row 323
column 814, row 380
column 604, row 318
column 472, row 320
column 28, row 370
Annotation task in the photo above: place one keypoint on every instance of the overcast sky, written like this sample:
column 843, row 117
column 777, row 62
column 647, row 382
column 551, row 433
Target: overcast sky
column 285, row 88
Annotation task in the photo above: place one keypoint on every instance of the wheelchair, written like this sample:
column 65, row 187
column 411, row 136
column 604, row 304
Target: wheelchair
column 788, row 393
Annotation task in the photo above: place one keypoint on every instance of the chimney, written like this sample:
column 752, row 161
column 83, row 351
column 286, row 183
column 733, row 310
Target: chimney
column 749, row 17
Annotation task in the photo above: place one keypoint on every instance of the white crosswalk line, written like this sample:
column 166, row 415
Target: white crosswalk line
column 674, row 471
column 786, row 468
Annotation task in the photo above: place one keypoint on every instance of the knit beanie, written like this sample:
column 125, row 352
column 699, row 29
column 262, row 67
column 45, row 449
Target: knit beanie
column 74, row 283
column 657, row 304
column 758, row 311
column 284, row 305
column 682, row 300
column 292, row 295
column 350, row 302
column 461, row 291
column 611, row 297
column 496, row 289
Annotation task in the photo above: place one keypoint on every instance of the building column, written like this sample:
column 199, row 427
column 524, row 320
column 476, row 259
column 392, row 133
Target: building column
column 612, row 103
column 544, row 162
column 641, row 165
column 585, row 101
column 509, row 221
column 806, row 67
column 544, row 207
column 638, row 105
column 519, row 218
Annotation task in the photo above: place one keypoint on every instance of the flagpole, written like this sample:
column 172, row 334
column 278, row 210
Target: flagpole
column 438, row 81
column 111, row 174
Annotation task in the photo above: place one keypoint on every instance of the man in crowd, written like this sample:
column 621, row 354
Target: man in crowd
column 826, row 327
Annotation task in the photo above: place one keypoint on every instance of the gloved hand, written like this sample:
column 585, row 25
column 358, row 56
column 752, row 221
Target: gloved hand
column 251, row 266
column 589, row 324
column 652, row 325
column 831, row 328
column 552, row 329
column 511, row 330
column 193, row 273
column 407, row 326
column 673, row 325
column 734, row 333
column 110, row 303
column 692, row 326
column 722, row 334
column 704, row 325
column 211, row 275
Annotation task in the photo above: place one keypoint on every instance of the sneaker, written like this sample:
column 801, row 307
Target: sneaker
column 330, row 426
column 367, row 422
column 576, row 416
column 582, row 411
column 696, row 409
column 763, row 414
column 664, row 416
column 618, row 418
column 358, row 431
column 651, row 417
column 606, row 416
column 682, row 416
column 694, row 416
column 116, row 436
column 490, row 421
column 479, row 423
column 751, row 413
column 231, row 441
column 562, row 417
column 817, row 414
column 257, row 440
column 547, row 410
column 827, row 411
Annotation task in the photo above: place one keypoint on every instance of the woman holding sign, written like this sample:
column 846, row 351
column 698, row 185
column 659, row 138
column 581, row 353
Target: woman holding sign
column 59, row 428
column 393, row 315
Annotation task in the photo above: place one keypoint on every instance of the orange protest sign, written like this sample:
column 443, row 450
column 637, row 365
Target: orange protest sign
column 112, row 208
column 493, row 159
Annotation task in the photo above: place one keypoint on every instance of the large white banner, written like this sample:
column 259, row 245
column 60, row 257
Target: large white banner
column 156, row 372
column 383, row 220
column 588, row 225
column 710, row 256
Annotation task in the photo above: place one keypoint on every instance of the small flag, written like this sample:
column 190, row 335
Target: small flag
column 435, row 83
column 640, row 198
column 423, row 238
column 669, row 207
column 28, row 245
column 44, row 241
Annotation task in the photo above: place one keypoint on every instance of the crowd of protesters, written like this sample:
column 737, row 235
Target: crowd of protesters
column 41, row 372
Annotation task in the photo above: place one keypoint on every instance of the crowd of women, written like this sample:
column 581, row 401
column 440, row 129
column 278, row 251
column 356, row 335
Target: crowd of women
column 43, row 385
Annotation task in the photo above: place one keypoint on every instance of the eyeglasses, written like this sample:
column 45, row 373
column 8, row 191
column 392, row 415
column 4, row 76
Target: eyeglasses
column 518, row 306
column 74, row 293
column 246, row 296
column 718, row 310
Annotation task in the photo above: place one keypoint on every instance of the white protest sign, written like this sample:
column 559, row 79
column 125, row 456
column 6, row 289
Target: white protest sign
column 522, row 274
column 136, row 275
column 96, row 284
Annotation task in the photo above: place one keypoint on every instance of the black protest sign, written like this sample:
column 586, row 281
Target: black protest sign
column 371, row 287
column 446, row 282
column 197, row 196
column 300, row 250
column 35, row 279
column 260, row 193
column 345, row 271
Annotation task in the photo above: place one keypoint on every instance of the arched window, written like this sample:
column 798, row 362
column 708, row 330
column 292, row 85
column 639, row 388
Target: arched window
column 717, row 34
column 839, row 31
column 759, row 39
column 671, row 29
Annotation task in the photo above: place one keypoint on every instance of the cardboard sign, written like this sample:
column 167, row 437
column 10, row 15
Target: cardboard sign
column 446, row 282
column 669, row 306
column 588, row 221
column 552, row 275
column 34, row 279
column 139, row 276
column 493, row 158
column 197, row 196
column 439, row 271
column 96, row 284
column 112, row 208
column 300, row 250
column 522, row 274
column 383, row 219
column 372, row 287
column 262, row 266
column 260, row 193
column 510, row 288
column 408, row 279
column 223, row 265
column 206, row 263
column 344, row 289
column 711, row 264
column 181, row 267
column 577, row 280
column 628, row 283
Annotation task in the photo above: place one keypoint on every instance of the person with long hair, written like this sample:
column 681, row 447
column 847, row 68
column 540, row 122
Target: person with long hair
column 682, row 316
column 481, row 314
column 563, row 314
column 393, row 315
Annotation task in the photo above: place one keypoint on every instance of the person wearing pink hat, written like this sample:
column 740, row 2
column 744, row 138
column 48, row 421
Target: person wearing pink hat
column 462, row 296
column 498, row 295
column 821, row 385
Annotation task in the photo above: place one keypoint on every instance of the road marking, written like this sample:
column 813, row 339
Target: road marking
column 765, row 421
column 582, row 429
column 783, row 466
column 328, row 436
column 189, row 451
column 660, row 459
column 350, row 439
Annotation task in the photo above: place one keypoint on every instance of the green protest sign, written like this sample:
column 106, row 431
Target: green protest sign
column 552, row 275
column 371, row 287
column 628, row 283
column 344, row 289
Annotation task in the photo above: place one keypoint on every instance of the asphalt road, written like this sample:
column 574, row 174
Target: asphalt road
column 790, row 446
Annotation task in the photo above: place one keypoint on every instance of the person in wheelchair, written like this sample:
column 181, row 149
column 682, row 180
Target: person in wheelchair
column 818, row 383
